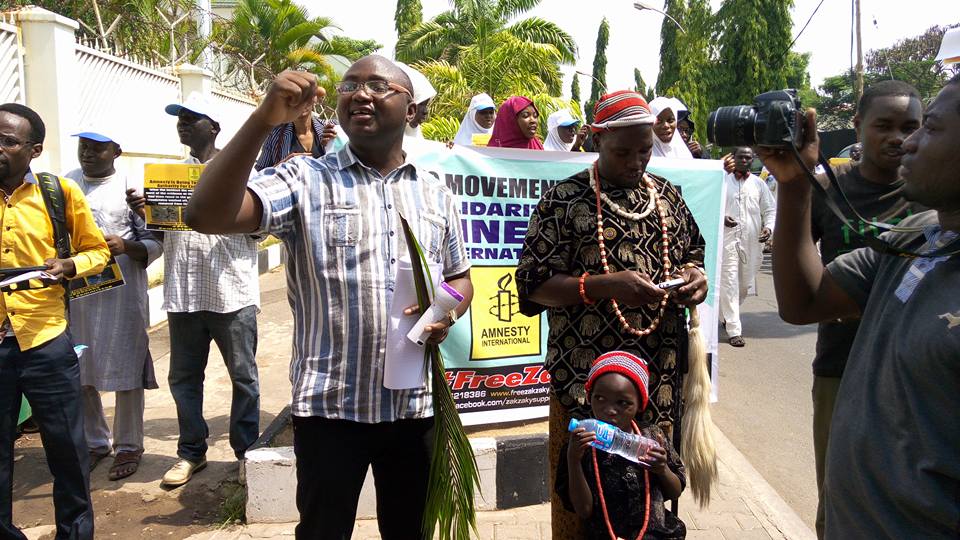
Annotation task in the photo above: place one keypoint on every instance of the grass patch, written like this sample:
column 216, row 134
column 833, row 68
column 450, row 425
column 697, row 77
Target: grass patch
column 233, row 509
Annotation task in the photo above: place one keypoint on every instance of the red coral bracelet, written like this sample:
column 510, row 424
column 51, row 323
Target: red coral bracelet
column 583, row 290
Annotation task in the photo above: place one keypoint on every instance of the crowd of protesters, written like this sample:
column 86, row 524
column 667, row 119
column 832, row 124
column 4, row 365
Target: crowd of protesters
column 597, row 246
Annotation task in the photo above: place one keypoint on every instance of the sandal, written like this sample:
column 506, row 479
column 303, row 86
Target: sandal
column 125, row 464
column 737, row 341
column 96, row 458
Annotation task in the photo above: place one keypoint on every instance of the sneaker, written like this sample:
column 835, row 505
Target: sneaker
column 737, row 341
column 181, row 472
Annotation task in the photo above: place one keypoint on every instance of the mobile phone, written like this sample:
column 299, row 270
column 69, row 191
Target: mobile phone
column 671, row 284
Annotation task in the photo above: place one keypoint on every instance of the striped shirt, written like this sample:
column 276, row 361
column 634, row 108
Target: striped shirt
column 282, row 142
column 339, row 220
column 209, row 272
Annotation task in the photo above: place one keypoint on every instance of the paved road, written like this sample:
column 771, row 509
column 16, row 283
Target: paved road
column 764, row 406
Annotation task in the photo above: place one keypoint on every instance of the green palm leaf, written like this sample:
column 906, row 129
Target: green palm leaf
column 540, row 31
column 453, row 470
column 441, row 128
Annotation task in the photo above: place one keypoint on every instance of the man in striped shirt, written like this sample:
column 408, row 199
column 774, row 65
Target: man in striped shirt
column 339, row 218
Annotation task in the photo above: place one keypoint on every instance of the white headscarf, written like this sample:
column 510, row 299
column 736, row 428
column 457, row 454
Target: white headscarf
column 676, row 148
column 422, row 91
column 469, row 126
column 555, row 120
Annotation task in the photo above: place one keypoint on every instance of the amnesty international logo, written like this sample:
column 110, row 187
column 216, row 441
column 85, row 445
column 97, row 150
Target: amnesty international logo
column 505, row 303
column 499, row 330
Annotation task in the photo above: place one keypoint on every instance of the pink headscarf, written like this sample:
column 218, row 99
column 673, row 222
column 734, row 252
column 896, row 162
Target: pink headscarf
column 506, row 132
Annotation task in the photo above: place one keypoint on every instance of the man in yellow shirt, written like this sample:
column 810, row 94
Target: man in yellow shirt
column 37, row 359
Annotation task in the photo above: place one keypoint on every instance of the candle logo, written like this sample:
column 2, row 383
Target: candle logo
column 505, row 303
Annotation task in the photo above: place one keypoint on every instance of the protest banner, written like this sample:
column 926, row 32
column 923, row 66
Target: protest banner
column 494, row 355
column 167, row 188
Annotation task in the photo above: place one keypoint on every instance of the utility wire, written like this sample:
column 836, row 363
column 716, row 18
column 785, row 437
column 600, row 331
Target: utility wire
column 810, row 18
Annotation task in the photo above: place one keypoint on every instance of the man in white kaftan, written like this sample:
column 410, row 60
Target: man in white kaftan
column 113, row 323
column 748, row 224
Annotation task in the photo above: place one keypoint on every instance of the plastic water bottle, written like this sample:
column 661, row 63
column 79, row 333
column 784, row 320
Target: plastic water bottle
column 613, row 440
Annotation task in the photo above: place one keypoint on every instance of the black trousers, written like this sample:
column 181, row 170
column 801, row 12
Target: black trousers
column 49, row 376
column 332, row 461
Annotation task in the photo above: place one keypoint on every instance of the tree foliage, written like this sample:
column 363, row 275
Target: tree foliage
column 409, row 14
column 671, row 54
column 265, row 37
column 135, row 29
column 484, row 46
column 599, row 82
column 910, row 60
column 692, row 69
column 575, row 88
column 754, row 38
column 482, row 26
column 647, row 92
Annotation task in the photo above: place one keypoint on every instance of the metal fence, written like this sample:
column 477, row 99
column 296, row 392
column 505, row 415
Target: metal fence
column 11, row 64
column 127, row 100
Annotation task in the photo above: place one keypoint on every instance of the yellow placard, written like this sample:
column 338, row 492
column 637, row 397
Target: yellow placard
column 167, row 188
column 110, row 277
column 499, row 330
column 480, row 139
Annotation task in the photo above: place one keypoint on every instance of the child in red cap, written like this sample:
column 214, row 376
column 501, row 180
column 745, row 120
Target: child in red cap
column 617, row 498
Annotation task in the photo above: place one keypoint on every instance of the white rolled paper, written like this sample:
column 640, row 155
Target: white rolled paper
column 404, row 366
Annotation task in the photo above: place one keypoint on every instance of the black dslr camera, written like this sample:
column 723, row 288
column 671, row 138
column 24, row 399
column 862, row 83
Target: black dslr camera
column 775, row 120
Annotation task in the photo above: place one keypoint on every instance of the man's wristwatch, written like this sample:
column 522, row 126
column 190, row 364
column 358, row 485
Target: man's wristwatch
column 451, row 317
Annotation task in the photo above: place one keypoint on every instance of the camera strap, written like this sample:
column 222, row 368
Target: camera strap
column 878, row 244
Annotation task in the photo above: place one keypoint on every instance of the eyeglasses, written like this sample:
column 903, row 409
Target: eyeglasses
column 11, row 143
column 372, row 88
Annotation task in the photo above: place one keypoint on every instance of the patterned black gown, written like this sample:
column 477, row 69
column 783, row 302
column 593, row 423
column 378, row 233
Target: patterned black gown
column 562, row 239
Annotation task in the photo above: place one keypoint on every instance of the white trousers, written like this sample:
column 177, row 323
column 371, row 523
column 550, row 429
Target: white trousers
column 127, row 421
column 736, row 278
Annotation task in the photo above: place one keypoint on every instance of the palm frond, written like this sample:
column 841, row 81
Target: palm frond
column 453, row 90
column 425, row 41
column 537, row 30
column 298, row 35
column 441, row 128
column 453, row 470
column 508, row 9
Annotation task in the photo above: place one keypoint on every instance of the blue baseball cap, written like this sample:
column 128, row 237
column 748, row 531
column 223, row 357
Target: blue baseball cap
column 95, row 135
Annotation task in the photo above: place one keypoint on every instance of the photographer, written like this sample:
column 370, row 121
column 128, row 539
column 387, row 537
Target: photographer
column 891, row 468
column 887, row 113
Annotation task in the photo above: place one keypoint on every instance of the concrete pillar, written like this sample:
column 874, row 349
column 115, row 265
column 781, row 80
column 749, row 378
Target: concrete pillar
column 194, row 79
column 49, row 63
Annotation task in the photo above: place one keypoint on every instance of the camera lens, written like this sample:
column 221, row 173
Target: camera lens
column 732, row 126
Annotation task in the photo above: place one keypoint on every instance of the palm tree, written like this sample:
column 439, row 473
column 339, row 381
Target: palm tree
column 478, row 37
column 477, row 47
column 267, row 36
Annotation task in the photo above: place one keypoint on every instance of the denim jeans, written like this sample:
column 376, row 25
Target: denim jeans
column 49, row 377
column 236, row 336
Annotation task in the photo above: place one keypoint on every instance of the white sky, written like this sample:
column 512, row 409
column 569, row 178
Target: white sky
column 635, row 35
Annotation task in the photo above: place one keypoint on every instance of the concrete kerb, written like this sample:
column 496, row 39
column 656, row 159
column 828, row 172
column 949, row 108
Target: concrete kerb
column 513, row 472
column 781, row 520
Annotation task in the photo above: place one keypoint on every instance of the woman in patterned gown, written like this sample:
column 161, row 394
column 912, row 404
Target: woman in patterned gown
column 649, row 236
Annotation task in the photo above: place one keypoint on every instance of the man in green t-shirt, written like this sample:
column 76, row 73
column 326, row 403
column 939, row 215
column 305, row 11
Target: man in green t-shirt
column 891, row 466
column 887, row 114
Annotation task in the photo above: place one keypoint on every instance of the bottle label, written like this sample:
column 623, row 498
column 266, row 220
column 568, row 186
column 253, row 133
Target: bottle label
column 605, row 433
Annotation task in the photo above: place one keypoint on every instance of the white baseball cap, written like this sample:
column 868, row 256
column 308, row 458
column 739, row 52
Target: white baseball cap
column 196, row 103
